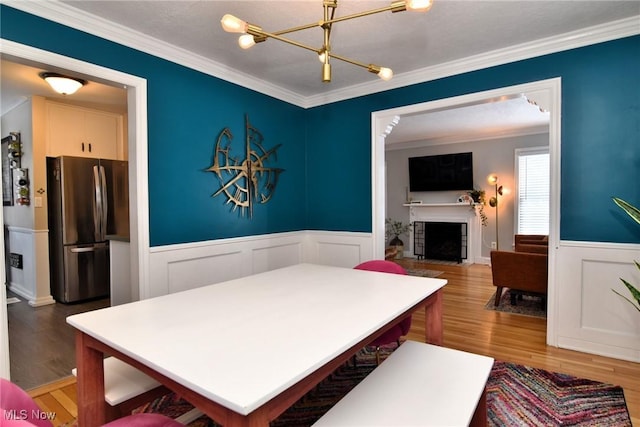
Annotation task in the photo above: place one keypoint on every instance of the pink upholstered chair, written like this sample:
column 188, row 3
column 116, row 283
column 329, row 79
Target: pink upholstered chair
column 402, row 328
column 19, row 409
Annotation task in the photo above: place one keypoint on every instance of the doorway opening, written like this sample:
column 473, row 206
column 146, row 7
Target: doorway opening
column 383, row 122
column 137, row 155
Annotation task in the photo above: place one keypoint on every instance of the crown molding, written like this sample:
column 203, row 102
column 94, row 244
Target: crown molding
column 474, row 137
column 66, row 15
column 575, row 39
column 61, row 13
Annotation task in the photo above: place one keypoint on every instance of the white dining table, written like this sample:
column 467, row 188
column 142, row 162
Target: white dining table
column 243, row 351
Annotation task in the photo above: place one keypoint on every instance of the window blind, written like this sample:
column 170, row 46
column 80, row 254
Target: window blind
column 533, row 192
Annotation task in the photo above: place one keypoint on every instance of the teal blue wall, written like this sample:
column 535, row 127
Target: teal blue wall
column 600, row 139
column 186, row 112
column 327, row 184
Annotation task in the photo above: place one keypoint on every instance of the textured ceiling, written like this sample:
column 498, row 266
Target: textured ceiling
column 409, row 43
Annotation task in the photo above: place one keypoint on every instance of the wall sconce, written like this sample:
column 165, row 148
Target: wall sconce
column 493, row 201
column 63, row 84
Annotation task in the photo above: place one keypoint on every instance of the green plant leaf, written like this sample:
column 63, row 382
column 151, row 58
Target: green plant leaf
column 634, row 213
column 630, row 302
column 628, row 208
column 634, row 292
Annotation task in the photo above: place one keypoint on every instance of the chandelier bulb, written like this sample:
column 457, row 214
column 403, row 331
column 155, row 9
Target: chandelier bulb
column 321, row 56
column 231, row 24
column 385, row 73
column 246, row 41
column 418, row 5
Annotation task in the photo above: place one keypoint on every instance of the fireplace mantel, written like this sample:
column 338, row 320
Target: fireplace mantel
column 435, row 205
column 450, row 212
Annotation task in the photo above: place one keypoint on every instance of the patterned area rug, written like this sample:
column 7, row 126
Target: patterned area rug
column 517, row 396
column 423, row 272
column 528, row 306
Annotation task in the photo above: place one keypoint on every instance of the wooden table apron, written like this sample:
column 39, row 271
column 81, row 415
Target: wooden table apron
column 93, row 410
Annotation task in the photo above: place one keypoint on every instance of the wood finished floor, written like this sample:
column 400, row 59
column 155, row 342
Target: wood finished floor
column 467, row 326
column 41, row 343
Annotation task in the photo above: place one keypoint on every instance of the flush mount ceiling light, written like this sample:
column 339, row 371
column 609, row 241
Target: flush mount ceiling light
column 253, row 34
column 63, row 84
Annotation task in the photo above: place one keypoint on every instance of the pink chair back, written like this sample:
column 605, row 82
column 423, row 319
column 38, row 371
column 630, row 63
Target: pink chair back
column 403, row 327
column 18, row 408
column 382, row 266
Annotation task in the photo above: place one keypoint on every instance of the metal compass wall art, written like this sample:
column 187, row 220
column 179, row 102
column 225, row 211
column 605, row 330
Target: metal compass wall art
column 245, row 181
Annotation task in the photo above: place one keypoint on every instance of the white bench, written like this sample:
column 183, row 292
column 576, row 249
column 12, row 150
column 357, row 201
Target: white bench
column 126, row 388
column 418, row 385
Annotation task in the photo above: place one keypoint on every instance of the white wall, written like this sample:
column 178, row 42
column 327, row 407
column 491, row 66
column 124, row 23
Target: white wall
column 28, row 233
column 489, row 156
column 20, row 120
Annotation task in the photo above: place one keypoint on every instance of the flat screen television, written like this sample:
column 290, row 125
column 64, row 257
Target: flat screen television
column 443, row 172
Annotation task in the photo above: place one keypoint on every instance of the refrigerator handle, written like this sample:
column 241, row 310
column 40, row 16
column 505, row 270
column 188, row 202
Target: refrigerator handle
column 105, row 204
column 97, row 205
column 81, row 250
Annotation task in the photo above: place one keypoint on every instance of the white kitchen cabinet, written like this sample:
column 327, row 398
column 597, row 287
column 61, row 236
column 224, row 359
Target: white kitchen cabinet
column 84, row 132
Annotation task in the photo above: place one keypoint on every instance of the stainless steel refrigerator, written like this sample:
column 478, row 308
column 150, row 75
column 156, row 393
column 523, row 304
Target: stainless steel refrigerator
column 88, row 200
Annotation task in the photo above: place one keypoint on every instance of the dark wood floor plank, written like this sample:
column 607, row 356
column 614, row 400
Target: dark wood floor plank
column 41, row 343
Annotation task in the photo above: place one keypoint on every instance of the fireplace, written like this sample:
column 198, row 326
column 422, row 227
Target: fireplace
column 457, row 213
column 445, row 241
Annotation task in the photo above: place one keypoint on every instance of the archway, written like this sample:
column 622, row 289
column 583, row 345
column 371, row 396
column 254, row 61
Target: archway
column 546, row 93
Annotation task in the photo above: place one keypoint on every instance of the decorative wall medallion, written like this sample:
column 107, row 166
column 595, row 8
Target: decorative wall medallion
column 249, row 180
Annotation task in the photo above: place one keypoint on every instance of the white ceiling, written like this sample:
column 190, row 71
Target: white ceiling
column 407, row 42
column 497, row 118
column 20, row 81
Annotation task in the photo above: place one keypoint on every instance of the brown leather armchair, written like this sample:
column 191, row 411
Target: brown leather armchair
column 534, row 243
column 525, row 270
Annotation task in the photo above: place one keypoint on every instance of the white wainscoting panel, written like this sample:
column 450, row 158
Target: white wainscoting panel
column 275, row 256
column 176, row 268
column 190, row 273
column 591, row 317
column 41, row 276
column 340, row 249
column 21, row 242
column 32, row 281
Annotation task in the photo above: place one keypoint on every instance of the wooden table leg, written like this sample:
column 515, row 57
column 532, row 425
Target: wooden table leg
column 90, row 383
column 480, row 415
column 433, row 319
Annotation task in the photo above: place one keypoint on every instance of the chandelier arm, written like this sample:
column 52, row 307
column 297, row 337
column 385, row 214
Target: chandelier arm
column 299, row 28
column 285, row 40
column 349, row 60
column 393, row 7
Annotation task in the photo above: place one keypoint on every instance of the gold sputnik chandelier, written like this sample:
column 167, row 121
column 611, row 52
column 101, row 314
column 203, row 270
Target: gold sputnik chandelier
column 253, row 34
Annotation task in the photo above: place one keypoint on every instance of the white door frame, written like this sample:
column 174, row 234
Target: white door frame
column 382, row 123
column 138, row 167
